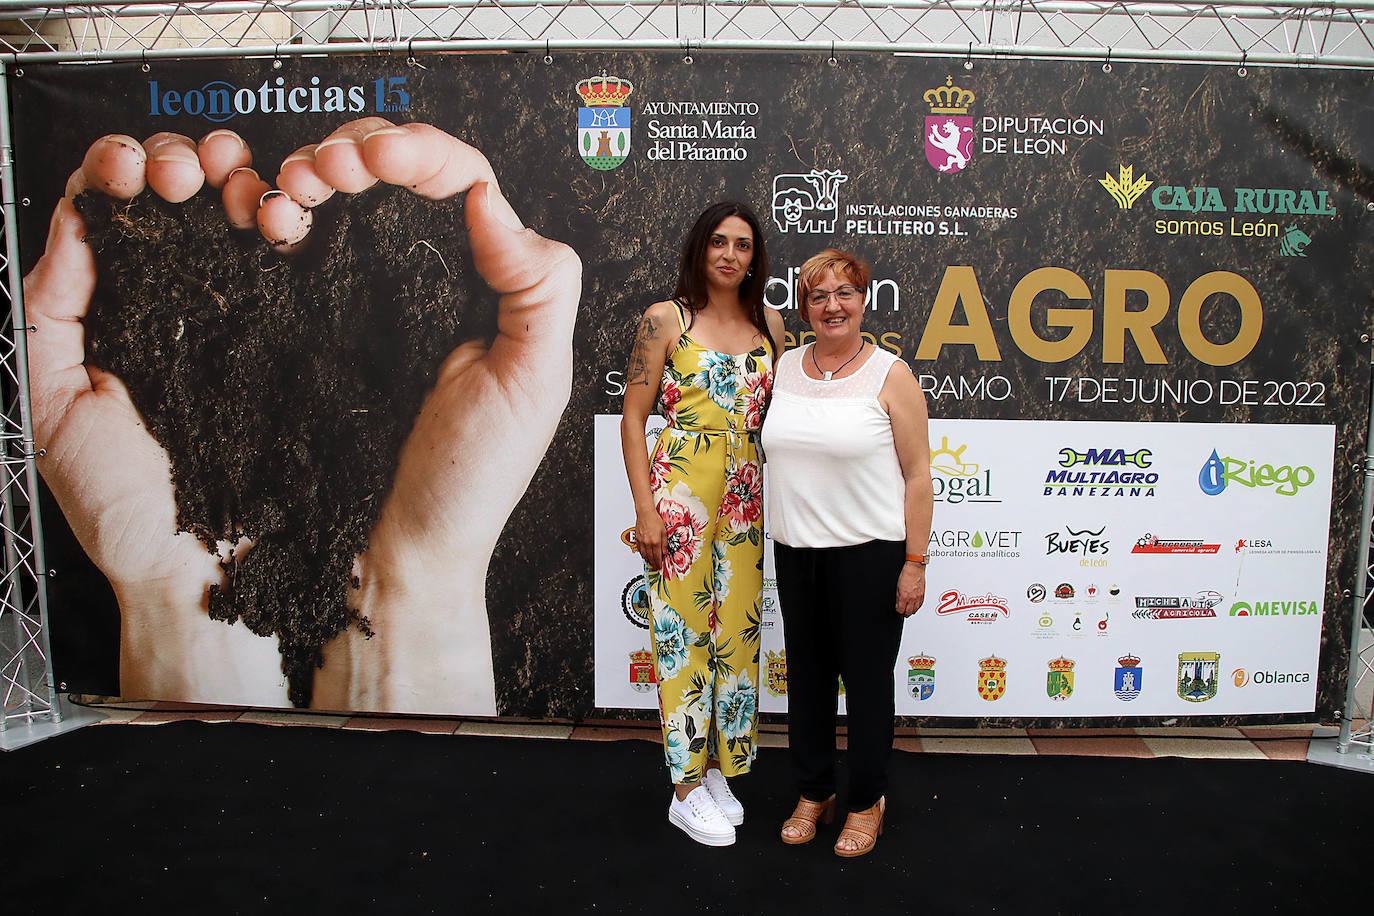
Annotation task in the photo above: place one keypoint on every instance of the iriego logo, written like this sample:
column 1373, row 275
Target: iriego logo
column 1218, row 472
column 219, row 101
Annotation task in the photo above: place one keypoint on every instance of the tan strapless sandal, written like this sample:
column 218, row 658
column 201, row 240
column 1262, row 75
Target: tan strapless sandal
column 862, row 828
column 804, row 818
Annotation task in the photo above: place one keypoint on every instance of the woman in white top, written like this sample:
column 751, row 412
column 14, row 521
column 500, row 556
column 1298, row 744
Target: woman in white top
column 850, row 503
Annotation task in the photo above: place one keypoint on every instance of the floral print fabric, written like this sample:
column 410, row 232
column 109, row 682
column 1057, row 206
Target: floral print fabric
column 708, row 486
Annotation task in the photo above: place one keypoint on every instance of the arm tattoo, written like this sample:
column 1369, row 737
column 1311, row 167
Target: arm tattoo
column 638, row 373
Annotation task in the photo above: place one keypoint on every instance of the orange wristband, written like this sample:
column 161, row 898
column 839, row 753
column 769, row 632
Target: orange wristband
column 918, row 558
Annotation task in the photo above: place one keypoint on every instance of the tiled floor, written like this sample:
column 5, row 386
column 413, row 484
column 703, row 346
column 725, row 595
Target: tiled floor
column 1266, row 742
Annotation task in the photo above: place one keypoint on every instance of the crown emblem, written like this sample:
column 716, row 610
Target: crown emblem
column 604, row 91
column 922, row 662
column 1128, row 661
column 992, row 663
column 949, row 99
column 642, row 657
column 1062, row 664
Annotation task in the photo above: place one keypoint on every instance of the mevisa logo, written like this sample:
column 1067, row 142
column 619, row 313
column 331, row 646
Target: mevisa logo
column 1273, row 608
column 219, row 101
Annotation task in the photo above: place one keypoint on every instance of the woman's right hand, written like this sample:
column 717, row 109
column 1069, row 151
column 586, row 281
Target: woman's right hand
column 650, row 535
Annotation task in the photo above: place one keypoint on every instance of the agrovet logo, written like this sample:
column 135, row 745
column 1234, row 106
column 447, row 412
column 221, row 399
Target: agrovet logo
column 219, row 101
column 603, row 121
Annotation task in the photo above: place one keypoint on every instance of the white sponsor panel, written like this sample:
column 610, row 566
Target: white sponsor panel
column 1078, row 569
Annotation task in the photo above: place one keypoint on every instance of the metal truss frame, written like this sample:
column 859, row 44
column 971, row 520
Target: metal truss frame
column 1339, row 33
column 1326, row 34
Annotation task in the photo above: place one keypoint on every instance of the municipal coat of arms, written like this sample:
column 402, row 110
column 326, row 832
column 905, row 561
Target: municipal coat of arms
column 603, row 121
column 1126, row 683
column 992, row 678
column 642, row 676
column 1197, row 675
column 775, row 665
column 1059, row 680
column 920, row 680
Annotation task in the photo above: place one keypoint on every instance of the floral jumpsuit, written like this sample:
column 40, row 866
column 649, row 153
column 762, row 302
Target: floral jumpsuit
column 708, row 486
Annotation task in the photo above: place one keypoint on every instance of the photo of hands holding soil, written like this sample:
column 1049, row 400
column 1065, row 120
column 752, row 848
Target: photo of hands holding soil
column 277, row 421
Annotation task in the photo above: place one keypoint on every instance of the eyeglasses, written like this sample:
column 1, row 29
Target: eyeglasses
column 844, row 295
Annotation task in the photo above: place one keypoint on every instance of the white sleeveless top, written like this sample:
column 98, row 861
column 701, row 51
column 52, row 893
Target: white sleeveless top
column 833, row 475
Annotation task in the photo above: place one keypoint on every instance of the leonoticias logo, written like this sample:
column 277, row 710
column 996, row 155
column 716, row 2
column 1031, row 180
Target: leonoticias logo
column 219, row 101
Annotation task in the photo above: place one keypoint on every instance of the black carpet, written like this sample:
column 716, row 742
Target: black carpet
column 246, row 818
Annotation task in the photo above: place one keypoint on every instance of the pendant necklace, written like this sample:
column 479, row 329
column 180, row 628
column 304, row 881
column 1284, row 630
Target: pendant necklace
column 826, row 375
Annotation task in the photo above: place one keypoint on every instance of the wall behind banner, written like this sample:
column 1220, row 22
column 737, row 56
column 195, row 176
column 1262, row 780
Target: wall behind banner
column 1158, row 243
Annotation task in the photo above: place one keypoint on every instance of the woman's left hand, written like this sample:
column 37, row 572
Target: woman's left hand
column 911, row 589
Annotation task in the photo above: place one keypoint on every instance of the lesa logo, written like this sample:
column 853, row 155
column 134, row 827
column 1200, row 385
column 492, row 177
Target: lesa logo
column 1218, row 473
column 956, row 480
column 980, row 608
column 807, row 201
column 949, row 127
column 603, row 121
column 219, row 101
column 1126, row 188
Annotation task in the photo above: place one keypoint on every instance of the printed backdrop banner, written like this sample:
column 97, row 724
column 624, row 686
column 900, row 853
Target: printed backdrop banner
column 1134, row 300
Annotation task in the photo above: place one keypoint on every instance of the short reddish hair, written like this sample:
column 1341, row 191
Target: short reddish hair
column 852, row 267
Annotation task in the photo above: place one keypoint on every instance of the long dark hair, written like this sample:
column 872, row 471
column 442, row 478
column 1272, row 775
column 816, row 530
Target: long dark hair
column 691, row 290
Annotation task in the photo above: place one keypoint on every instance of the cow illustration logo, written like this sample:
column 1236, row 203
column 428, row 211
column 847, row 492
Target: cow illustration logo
column 775, row 664
column 949, row 127
column 807, row 202
column 1197, row 675
column 642, row 676
column 1126, row 684
column 920, row 680
column 992, row 678
column 603, row 121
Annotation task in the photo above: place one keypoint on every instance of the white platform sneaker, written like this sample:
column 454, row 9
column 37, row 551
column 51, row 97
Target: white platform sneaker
column 716, row 783
column 700, row 818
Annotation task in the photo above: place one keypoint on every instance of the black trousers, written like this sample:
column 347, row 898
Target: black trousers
column 839, row 615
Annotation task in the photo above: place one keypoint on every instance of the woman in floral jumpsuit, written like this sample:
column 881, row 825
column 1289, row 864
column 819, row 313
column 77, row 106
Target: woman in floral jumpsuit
column 706, row 358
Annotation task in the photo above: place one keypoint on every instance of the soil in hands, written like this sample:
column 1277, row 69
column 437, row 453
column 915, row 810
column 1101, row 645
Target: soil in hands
column 282, row 387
